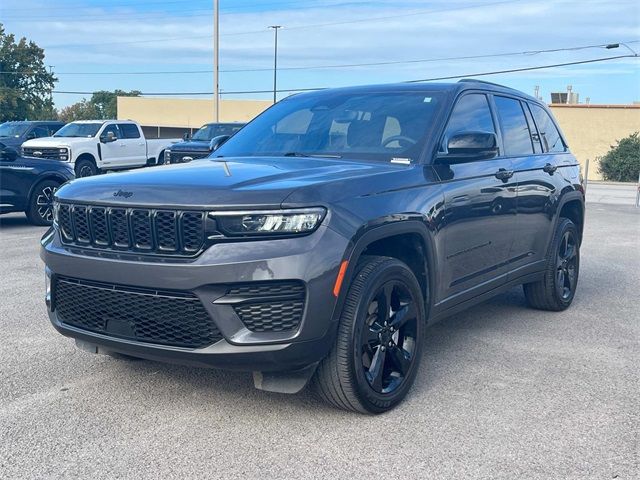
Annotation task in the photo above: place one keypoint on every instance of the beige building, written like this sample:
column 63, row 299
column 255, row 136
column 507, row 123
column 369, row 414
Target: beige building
column 589, row 129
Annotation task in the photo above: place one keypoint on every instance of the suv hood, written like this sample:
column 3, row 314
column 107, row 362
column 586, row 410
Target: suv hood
column 46, row 142
column 263, row 182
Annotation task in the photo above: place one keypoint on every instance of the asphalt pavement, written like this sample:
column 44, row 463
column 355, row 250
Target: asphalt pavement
column 504, row 392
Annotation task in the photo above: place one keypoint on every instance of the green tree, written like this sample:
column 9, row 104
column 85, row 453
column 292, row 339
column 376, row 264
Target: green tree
column 622, row 162
column 82, row 110
column 105, row 102
column 25, row 83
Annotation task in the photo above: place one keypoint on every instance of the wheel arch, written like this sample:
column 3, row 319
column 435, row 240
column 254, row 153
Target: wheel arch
column 571, row 206
column 401, row 239
column 49, row 176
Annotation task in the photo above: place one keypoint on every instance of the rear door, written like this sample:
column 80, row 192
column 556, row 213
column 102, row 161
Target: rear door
column 540, row 183
column 478, row 226
column 135, row 145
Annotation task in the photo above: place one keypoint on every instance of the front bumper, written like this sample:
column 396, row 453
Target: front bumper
column 313, row 259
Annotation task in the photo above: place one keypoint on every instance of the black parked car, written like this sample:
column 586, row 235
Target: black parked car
column 320, row 240
column 14, row 134
column 28, row 184
column 208, row 138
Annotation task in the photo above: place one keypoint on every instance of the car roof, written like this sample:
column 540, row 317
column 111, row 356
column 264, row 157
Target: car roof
column 35, row 122
column 450, row 87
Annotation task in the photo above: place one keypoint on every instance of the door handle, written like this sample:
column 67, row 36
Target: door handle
column 504, row 174
column 550, row 168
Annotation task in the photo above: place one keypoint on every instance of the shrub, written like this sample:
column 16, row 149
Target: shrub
column 622, row 162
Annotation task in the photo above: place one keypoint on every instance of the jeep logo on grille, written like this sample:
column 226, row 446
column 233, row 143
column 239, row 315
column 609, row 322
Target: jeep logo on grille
column 122, row 193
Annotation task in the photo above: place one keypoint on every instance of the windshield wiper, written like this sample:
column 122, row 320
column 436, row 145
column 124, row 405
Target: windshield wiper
column 311, row 155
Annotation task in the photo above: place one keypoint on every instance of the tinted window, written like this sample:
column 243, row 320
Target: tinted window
column 549, row 134
column 357, row 125
column 471, row 113
column 208, row 132
column 513, row 123
column 129, row 130
column 39, row 132
column 13, row 129
column 113, row 128
column 535, row 137
column 53, row 128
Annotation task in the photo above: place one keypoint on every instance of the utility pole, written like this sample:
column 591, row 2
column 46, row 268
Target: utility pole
column 216, row 59
column 275, row 60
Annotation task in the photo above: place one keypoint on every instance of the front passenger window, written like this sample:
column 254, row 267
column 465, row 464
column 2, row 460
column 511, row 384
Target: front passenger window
column 470, row 114
column 113, row 128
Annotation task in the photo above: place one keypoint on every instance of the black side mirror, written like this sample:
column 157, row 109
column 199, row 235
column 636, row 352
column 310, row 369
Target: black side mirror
column 216, row 142
column 8, row 154
column 469, row 147
column 186, row 136
column 108, row 137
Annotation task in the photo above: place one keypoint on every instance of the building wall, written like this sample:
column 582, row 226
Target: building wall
column 591, row 130
column 186, row 113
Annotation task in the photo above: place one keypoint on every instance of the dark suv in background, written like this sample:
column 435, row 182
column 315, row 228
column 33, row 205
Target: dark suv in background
column 322, row 238
column 207, row 139
column 14, row 134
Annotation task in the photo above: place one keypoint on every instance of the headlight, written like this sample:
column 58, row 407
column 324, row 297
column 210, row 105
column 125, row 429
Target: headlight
column 63, row 153
column 273, row 222
column 167, row 157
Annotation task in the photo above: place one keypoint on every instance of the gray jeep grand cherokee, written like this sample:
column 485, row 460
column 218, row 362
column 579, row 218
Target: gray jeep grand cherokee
column 320, row 240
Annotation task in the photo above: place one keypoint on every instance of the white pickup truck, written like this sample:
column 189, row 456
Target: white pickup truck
column 93, row 146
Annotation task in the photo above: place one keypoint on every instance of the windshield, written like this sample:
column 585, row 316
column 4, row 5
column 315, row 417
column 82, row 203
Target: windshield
column 208, row 132
column 358, row 125
column 78, row 130
column 13, row 129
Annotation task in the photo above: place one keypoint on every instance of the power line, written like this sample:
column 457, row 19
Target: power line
column 349, row 65
column 289, row 90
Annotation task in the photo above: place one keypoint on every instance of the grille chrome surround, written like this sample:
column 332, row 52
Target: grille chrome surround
column 49, row 153
column 135, row 230
column 160, row 317
column 178, row 156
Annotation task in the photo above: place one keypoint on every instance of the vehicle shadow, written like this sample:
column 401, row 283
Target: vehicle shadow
column 443, row 341
column 15, row 221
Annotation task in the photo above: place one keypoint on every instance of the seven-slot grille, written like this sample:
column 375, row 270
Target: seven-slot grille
column 140, row 230
column 145, row 315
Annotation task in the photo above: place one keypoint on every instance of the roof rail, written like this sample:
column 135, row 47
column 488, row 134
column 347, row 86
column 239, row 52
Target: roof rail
column 473, row 80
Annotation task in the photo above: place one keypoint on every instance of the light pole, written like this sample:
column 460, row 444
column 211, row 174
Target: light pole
column 275, row 60
column 216, row 59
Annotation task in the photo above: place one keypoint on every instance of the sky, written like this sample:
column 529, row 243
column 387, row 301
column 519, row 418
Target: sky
column 97, row 44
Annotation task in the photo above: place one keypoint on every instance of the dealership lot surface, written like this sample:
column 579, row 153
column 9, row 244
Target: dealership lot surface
column 503, row 391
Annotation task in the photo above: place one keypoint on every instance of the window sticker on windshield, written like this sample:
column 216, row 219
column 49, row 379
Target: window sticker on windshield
column 401, row 160
column 427, row 100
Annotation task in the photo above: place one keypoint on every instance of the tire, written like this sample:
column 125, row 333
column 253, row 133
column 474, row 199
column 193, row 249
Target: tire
column 343, row 378
column 40, row 207
column 85, row 168
column 556, row 290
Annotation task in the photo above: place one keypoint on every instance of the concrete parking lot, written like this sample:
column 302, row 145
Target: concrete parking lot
column 504, row 392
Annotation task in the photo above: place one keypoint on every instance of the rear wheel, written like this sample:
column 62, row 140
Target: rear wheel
column 85, row 168
column 40, row 209
column 377, row 351
column 556, row 290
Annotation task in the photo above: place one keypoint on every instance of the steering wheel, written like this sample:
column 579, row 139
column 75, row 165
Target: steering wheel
column 399, row 139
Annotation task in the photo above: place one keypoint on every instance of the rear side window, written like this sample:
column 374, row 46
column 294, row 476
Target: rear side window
column 535, row 136
column 471, row 113
column 129, row 130
column 513, row 123
column 549, row 134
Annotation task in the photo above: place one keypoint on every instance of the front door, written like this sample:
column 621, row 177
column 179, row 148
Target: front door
column 135, row 145
column 480, row 215
column 113, row 153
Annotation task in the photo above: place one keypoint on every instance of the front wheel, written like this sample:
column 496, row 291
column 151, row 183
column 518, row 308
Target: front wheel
column 85, row 168
column 556, row 290
column 40, row 208
column 375, row 358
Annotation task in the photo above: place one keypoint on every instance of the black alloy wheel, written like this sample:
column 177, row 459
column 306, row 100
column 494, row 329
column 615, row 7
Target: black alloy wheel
column 40, row 210
column 389, row 339
column 566, row 266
